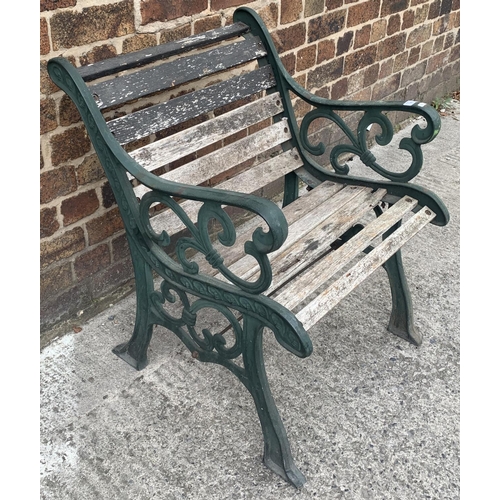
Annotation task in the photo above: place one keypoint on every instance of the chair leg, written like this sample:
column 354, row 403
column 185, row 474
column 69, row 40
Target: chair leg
column 401, row 321
column 134, row 352
column 277, row 454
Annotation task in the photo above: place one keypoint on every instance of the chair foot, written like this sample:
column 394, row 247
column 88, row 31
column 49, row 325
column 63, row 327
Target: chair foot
column 292, row 475
column 123, row 352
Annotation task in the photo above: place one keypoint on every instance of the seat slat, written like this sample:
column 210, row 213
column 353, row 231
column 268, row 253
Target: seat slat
column 327, row 299
column 289, row 263
column 148, row 55
column 206, row 133
column 147, row 121
column 246, row 267
column 172, row 74
column 217, row 162
column 292, row 212
column 315, row 276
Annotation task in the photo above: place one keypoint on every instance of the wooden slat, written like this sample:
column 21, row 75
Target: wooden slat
column 274, row 167
column 171, row 74
column 327, row 299
column 288, row 263
column 217, row 162
column 292, row 213
column 178, row 145
column 139, row 58
column 319, row 273
column 180, row 109
column 246, row 267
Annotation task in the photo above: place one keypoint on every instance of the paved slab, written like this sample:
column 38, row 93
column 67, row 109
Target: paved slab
column 368, row 415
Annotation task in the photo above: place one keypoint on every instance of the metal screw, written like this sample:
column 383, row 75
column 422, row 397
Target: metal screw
column 195, row 354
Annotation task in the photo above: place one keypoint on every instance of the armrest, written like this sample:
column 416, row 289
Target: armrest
column 373, row 113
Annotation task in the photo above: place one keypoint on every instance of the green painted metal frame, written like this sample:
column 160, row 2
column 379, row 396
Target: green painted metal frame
column 178, row 279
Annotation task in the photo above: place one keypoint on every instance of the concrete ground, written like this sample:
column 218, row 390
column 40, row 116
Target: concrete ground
column 368, row 416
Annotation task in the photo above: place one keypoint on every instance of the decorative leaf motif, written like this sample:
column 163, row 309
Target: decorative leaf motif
column 359, row 145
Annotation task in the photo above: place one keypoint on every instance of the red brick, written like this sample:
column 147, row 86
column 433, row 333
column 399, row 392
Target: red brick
column 419, row 35
column 333, row 4
column 57, row 182
column 408, row 19
column 89, row 170
column 391, row 46
column 413, row 74
column 392, row 6
column 401, row 61
column 207, row 23
column 48, row 222
column 325, row 74
column 44, row 37
column 62, row 247
column 55, row 4
column 165, row 10
column 48, row 119
column 79, row 206
column 363, row 12
column 325, row 25
column 362, row 37
column 326, row 50
column 175, row 33
column 269, row 14
column 138, row 42
column 434, row 9
column 313, row 7
column 98, row 54
column 441, row 25
column 69, row 145
column 290, row 11
column 92, row 261
column 414, row 56
column 68, row 112
column 224, row 4
column 55, row 280
column 379, row 29
column 102, row 22
column 370, row 75
column 344, row 43
column 289, row 38
column 339, row 89
column 104, row 226
column 360, row 59
column 306, row 58
column 394, row 24
column 289, row 62
column 437, row 62
column 386, row 87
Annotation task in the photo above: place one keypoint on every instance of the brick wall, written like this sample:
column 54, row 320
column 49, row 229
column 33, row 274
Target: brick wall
column 357, row 49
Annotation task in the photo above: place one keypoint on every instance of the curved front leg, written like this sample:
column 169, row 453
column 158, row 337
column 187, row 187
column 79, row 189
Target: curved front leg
column 277, row 454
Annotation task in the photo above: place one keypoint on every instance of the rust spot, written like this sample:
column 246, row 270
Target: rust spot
column 195, row 354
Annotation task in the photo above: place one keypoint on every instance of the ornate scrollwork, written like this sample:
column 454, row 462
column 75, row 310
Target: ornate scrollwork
column 207, row 341
column 200, row 240
column 359, row 145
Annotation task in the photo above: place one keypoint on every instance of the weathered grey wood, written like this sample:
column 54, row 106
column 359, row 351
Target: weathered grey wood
column 292, row 212
column 288, row 263
column 139, row 58
column 246, row 267
column 274, row 168
column 330, row 297
column 172, row 74
column 180, row 109
column 178, row 145
column 217, row 162
column 321, row 271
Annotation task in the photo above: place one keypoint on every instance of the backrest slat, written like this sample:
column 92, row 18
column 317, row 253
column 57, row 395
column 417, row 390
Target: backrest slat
column 223, row 160
column 147, row 121
column 151, row 54
column 172, row 74
column 188, row 141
